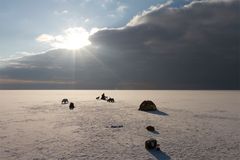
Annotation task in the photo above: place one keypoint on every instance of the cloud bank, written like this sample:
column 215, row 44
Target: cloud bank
column 192, row 47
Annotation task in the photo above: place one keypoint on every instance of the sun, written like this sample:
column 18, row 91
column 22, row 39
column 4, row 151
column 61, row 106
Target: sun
column 73, row 39
column 76, row 38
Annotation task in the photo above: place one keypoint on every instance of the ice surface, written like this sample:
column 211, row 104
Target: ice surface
column 189, row 125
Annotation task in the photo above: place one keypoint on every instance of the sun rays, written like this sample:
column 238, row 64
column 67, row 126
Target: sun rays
column 72, row 39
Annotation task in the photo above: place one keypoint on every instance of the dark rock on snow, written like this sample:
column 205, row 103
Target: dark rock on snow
column 65, row 101
column 71, row 106
column 150, row 128
column 111, row 100
column 147, row 106
column 151, row 144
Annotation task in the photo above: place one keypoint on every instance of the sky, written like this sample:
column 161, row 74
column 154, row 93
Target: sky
column 22, row 21
column 110, row 44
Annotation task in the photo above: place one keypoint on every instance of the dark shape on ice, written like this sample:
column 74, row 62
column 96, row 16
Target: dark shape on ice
column 147, row 105
column 65, row 101
column 116, row 126
column 103, row 97
column 151, row 144
column 150, row 128
column 71, row 106
column 111, row 100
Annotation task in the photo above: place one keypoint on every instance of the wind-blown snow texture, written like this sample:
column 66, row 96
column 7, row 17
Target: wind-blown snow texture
column 189, row 125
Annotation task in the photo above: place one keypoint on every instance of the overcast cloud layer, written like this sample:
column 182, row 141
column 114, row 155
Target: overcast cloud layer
column 193, row 47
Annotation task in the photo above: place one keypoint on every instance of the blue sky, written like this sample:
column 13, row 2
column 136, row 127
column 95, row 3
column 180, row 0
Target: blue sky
column 24, row 20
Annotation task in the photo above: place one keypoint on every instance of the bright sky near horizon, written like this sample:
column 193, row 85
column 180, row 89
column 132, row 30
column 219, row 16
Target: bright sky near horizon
column 26, row 23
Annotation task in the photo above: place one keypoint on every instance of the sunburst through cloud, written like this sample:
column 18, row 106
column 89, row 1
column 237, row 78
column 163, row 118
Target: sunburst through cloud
column 72, row 38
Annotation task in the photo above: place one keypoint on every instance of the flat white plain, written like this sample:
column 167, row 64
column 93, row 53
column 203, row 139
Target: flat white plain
column 190, row 125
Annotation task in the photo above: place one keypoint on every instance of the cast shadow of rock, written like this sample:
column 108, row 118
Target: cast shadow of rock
column 157, row 112
column 159, row 155
column 155, row 132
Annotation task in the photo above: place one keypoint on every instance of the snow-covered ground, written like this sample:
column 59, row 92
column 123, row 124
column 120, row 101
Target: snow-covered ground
column 190, row 125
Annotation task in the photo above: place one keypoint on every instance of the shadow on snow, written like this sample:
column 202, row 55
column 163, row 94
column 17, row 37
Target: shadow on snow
column 157, row 112
column 159, row 155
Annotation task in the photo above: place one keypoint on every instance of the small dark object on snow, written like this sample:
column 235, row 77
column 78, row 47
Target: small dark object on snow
column 147, row 106
column 151, row 144
column 111, row 100
column 97, row 98
column 103, row 97
column 150, row 128
column 65, row 101
column 71, row 106
column 118, row 126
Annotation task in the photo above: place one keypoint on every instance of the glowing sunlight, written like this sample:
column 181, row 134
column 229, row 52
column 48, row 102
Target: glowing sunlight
column 72, row 38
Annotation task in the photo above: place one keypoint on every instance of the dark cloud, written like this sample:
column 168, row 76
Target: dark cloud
column 192, row 47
